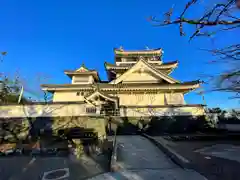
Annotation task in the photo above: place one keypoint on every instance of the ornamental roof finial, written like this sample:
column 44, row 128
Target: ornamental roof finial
column 141, row 58
column 121, row 48
column 82, row 68
column 83, row 65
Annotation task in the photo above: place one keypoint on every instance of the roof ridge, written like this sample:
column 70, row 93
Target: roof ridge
column 122, row 50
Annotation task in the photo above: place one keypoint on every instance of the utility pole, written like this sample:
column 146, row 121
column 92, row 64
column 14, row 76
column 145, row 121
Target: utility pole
column 20, row 95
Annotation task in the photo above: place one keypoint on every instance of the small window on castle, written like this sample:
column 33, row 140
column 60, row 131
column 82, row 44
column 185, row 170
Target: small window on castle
column 80, row 93
column 124, row 60
column 118, row 59
column 91, row 110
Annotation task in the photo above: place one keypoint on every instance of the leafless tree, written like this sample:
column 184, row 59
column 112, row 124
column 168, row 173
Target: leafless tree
column 223, row 16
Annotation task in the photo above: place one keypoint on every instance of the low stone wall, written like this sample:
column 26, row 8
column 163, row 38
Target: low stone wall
column 81, row 109
column 181, row 110
column 45, row 110
column 69, row 115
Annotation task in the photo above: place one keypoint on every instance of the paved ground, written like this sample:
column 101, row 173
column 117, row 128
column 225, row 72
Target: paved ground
column 225, row 151
column 139, row 159
column 216, row 160
column 137, row 152
column 28, row 168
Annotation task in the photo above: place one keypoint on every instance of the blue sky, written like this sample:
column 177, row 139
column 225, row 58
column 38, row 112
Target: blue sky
column 43, row 38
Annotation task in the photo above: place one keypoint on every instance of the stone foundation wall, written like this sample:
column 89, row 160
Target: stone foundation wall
column 97, row 124
column 23, row 127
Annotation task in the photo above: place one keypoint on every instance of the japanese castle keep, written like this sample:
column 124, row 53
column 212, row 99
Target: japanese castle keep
column 139, row 84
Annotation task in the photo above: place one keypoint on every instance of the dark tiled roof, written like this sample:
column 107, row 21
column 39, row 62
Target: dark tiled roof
column 164, row 106
column 136, row 53
column 126, row 66
column 106, row 85
column 42, row 103
column 89, row 72
column 141, row 50
column 103, row 94
column 80, row 72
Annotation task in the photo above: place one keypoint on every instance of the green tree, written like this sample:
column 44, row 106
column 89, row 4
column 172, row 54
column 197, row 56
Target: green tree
column 10, row 91
column 9, row 88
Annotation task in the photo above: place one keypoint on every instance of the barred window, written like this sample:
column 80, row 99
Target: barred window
column 91, row 110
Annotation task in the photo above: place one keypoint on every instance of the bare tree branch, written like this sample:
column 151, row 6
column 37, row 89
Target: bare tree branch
column 221, row 17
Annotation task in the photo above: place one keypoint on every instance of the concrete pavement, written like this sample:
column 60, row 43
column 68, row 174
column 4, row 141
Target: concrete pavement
column 36, row 168
column 214, row 159
column 137, row 152
column 225, row 151
column 139, row 159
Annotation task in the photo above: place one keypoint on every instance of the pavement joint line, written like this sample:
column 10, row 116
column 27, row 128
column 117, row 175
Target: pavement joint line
column 30, row 163
column 177, row 158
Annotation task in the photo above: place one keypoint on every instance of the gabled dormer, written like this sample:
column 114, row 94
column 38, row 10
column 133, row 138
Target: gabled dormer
column 83, row 75
column 143, row 72
column 126, row 59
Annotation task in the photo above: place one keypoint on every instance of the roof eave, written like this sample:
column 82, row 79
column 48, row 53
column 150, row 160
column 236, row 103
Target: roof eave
column 73, row 73
column 167, row 87
column 120, row 52
column 171, row 65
